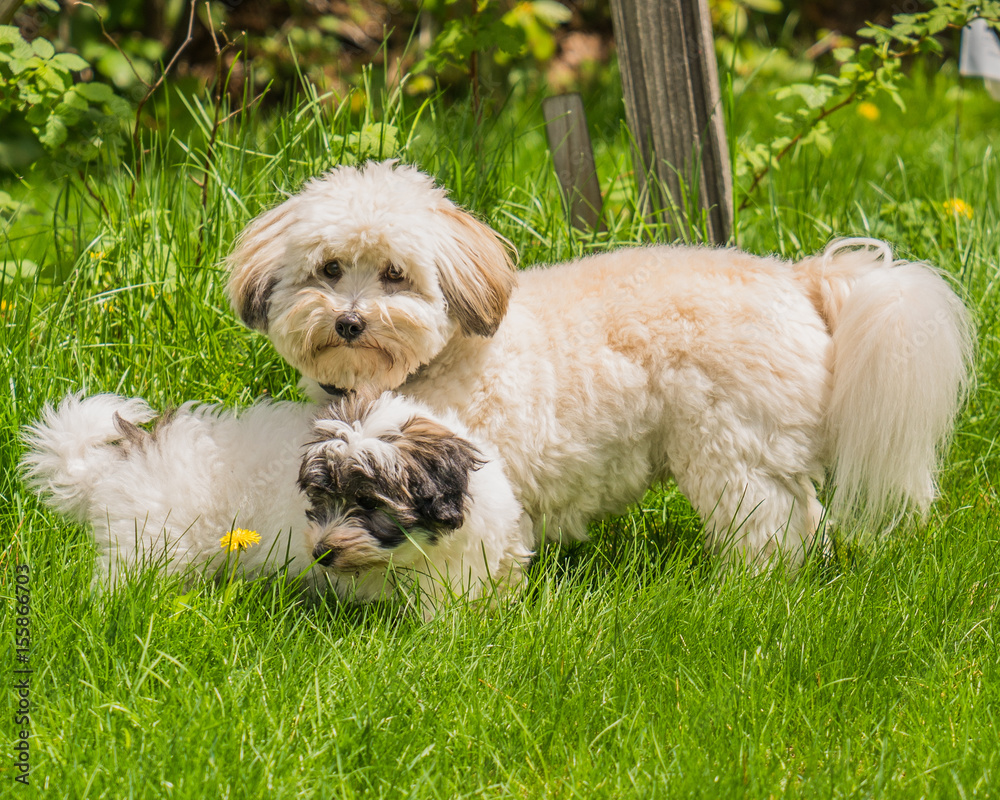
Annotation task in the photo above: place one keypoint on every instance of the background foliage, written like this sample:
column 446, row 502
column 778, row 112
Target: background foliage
column 490, row 48
column 83, row 80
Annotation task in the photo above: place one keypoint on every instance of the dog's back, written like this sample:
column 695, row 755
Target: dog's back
column 177, row 489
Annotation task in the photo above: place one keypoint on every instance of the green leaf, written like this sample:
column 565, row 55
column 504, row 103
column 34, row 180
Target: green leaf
column 74, row 99
column 19, row 49
column 377, row 141
column 95, row 92
column 50, row 80
column 54, row 134
column 897, row 99
column 71, row 61
column 37, row 114
column 9, row 34
column 30, row 96
column 16, row 66
column 119, row 107
column 507, row 39
column 552, row 13
column 43, row 48
column 814, row 96
column 836, row 81
column 819, row 137
column 69, row 114
column 936, row 25
column 866, row 55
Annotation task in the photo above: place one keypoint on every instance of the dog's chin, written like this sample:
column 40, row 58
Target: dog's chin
column 370, row 363
column 381, row 359
column 381, row 364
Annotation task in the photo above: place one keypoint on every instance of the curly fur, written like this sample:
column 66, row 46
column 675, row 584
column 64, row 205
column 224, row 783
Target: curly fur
column 749, row 380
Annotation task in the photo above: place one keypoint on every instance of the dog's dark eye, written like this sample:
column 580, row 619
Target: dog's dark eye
column 366, row 502
column 393, row 273
column 331, row 270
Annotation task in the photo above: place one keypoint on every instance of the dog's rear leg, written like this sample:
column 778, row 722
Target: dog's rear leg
column 754, row 517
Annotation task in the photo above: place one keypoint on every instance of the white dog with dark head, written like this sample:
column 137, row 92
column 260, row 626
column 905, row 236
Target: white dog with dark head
column 746, row 379
column 398, row 490
column 417, row 502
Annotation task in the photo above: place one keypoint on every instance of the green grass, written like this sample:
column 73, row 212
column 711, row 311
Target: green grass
column 631, row 667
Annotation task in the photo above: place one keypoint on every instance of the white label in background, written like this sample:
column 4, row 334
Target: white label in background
column 980, row 51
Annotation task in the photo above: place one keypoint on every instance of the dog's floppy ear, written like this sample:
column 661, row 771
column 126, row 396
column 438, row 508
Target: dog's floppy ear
column 438, row 464
column 251, row 264
column 476, row 273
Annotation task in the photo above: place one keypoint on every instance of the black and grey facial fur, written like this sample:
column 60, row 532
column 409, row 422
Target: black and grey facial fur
column 375, row 481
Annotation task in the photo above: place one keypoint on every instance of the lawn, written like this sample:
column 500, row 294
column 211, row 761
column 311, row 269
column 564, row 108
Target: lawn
column 633, row 666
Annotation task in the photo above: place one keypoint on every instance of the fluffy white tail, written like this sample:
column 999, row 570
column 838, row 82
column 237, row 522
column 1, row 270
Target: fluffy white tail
column 68, row 448
column 902, row 353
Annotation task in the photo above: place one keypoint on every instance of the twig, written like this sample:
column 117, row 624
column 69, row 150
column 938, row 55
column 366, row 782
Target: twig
column 114, row 44
column 8, row 8
column 150, row 90
column 795, row 140
column 91, row 192
column 477, row 103
column 241, row 109
column 826, row 112
column 221, row 86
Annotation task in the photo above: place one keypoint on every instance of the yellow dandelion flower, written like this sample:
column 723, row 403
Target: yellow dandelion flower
column 239, row 539
column 869, row 111
column 5, row 306
column 98, row 255
column 956, row 207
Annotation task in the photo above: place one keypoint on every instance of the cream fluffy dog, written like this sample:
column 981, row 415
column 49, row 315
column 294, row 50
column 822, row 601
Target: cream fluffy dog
column 746, row 379
column 415, row 501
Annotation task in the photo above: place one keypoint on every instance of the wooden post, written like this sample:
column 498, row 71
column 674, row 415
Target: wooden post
column 7, row 10
column 573, row 157
column 672, row 104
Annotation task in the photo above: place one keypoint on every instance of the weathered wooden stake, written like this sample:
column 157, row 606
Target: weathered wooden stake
column 573, row 156
column 7, row 10
column 673, row 108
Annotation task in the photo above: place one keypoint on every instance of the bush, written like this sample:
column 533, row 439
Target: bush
column 42, row 109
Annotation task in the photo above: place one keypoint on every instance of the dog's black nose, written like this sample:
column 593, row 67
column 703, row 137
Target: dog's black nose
column 325, row 554
column 349, row 326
